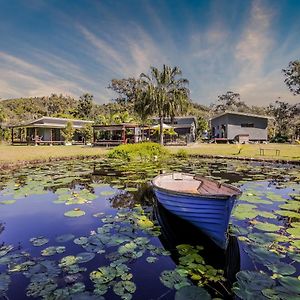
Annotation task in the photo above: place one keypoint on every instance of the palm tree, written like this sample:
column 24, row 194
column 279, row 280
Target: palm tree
column 162, row 94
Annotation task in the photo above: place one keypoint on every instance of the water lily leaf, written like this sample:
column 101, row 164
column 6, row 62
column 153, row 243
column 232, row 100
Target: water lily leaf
column 245, row 211
column 39, row 241
column 107, row 193
column 86, row 296
column 282, row 268
column 100, row 289
column 291, row 205
column 53, row 250
column 151, row 259
column 270, row 227
column 74, row 213
column 64, row 238
column 7, row 201
column 267, row 214
column 131, row 189
column 77, row 287
column 295, row 232
column 81, row 240
column 84, row 257
column 250, row 284
column 123, row 287
column 288, row 213
column 172, row 278
column 99, row 214
column 144, row 222
column 67, row 261
column 103, row 275
column 192, row 293
column 290, row 283
column 5, row 249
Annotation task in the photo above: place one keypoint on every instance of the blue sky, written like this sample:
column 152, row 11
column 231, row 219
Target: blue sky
column 73, row 47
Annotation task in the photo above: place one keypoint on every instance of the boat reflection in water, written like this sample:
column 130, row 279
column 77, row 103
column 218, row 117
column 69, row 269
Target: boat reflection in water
column 175, row 231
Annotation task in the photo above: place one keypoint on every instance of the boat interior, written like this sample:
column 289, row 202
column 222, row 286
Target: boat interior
column 187, row 183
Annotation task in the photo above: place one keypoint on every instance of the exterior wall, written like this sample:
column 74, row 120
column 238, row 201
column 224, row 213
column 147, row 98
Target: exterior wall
column 233, row 127
column 217, row 125
column 257, row 133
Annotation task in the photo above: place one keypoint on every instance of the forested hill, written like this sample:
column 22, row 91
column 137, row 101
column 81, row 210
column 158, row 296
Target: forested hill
column 15, row 111
column 24, row 109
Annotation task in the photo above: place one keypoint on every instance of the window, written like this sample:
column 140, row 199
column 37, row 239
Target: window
column 247, row 125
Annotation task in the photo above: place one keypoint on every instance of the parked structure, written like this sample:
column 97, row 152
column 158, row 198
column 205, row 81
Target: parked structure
column 116, row 134
column 46, row 131
column 185, row 127
column 240, row 127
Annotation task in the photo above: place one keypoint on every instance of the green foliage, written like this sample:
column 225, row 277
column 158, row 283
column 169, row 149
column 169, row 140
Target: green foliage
column 161, row 93
column 87, row 132
column 193, row 264
column 141, row 151
column 292, row 74
column 68, row 132
column 181, row 153
column 85, row 105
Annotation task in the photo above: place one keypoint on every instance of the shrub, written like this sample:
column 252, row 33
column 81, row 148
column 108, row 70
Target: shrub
column 181, row 153
column 141, row 151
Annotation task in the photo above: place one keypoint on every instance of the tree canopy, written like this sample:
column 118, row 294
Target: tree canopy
column 292, row 74
column 162, row 93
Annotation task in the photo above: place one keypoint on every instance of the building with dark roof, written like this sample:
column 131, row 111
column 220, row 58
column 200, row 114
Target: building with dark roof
column 241, row 127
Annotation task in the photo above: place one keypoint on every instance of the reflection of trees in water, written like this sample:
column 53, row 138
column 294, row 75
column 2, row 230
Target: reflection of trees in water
column 143, row 196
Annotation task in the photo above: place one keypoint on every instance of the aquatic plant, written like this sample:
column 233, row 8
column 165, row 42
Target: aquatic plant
column 146, row 151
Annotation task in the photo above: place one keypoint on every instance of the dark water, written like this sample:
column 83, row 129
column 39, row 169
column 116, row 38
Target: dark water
column 121, row 194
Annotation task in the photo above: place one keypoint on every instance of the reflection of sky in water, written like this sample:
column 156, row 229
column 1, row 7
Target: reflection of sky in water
column 37, row 215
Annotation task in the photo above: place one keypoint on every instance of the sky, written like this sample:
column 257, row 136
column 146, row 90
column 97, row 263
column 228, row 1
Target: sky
column 73, row 47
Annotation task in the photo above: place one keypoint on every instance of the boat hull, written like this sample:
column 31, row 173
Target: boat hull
column 210, row 214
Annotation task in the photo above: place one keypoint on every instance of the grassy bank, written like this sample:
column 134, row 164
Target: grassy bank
column 18, row 154
column 287, row 152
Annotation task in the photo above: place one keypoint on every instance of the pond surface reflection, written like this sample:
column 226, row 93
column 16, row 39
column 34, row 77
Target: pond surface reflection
column 91, row 228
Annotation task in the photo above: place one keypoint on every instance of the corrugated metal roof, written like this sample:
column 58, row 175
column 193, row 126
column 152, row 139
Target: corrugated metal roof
column 46, row 122
column 241, row 114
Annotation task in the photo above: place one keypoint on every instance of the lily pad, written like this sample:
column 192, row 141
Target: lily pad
column 39, row 241
column 74, row 213
column 7, row 201
column 192, row 293
column 84, row 257
column 173, row 279
column 122, row 288
column 269, row 227
column 290, row 283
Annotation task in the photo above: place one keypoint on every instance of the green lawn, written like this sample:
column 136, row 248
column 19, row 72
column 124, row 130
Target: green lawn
column 14, row 154
column 287, row 152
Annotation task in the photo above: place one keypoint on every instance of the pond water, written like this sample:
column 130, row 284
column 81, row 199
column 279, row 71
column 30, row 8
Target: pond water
column 91, row 229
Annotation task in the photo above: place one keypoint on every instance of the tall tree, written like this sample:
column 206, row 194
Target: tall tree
column 283, row 113
column 161, row 93
column 126, row 89
column 85, row 106
column 292, row 74
column 230, row 101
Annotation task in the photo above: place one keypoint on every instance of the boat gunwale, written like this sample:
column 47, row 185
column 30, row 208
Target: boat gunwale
column 196, row 177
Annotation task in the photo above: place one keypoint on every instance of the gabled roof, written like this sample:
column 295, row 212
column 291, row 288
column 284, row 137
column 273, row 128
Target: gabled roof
column 50, row 122
column 240, row 114
column 187, row 120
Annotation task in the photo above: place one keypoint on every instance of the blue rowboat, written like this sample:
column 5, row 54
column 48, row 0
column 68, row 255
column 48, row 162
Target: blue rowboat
column 205, row 203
